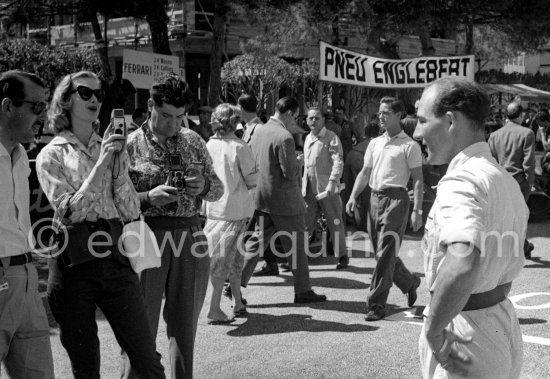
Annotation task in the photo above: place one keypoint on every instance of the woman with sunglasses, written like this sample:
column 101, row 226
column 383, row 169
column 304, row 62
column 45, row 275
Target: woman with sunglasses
column 86, row 181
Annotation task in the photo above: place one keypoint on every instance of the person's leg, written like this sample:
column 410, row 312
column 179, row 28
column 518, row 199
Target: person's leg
column 257, row 242
column 25, row 334
column 332, row 208
column 185, row 292
column 122, row 304
column 312, row 212
column 293, row 235
column 391, row 212
column 402, row 277
column 153, row 282
column 236, row 260
column 216, row 233
column 74, row 307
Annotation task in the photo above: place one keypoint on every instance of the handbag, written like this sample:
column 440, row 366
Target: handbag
column 140, row 246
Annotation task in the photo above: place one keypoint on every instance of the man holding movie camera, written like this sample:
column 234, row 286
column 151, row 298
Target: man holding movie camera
column 172, row 172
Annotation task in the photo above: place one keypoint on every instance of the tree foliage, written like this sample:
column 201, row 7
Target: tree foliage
column 50, row 64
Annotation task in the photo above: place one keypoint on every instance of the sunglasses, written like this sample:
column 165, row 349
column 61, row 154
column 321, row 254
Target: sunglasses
column 86, row 93
column 37, row 106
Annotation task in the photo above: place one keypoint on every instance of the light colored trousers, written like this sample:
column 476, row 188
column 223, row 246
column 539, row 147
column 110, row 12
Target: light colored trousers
column 496, row 349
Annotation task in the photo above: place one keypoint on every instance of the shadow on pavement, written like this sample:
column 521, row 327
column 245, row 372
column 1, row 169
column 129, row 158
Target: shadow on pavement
column 531, row 321
column 261, row 324
column 538, row 263
column 327, row 282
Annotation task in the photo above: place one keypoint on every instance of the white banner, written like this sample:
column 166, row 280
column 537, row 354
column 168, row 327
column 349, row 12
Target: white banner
column 143, row 68
column 347, row 67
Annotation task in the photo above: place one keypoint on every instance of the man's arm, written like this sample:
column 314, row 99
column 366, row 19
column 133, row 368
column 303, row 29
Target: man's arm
column 454, row 283
column 529, row 159
column 418, row 195
column 337, row 157
column 360, row 183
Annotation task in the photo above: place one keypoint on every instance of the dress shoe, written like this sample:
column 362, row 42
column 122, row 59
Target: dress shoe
column 229, row 294
column 309, row 297
column 527, row 252
column 267, row 270
column 343, row 262
column 375, row 313
column 412, row 292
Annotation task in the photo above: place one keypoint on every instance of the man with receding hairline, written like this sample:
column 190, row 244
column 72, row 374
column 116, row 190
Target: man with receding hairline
column 472, row 241
column 25, row 347
column 513, row 146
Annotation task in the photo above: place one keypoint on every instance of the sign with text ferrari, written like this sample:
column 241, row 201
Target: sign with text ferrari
column 142, row 68
column 347, row 67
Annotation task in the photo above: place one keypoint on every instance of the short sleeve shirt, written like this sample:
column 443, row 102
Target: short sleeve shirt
column 391, row 160
column 478, row 202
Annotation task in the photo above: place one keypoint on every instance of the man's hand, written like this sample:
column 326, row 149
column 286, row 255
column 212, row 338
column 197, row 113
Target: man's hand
column 351, row 206
column 331, row 187
column 162, row 195
column 416, row 221
column 443, row 346
column 194, row 185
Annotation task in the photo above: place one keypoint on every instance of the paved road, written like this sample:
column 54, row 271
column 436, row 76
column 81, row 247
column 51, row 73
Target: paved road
column 282, row 340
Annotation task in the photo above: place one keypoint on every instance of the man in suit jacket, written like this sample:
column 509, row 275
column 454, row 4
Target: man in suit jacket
column 279, row 203
column 513, row 146
column 248, row 104
column 323, row 159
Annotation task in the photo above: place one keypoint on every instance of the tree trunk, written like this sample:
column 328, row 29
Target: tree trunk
column 158, row 21
column 218, row 37
column 423, row 31
column 101, row 47
column 469, row 36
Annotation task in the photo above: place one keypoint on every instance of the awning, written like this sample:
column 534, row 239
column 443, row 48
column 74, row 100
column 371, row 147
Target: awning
column 525, row 93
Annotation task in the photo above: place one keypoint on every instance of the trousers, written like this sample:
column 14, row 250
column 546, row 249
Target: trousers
column 387, row 219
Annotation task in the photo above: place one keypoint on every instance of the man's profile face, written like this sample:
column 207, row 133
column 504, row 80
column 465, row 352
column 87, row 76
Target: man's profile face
column 166, row 120
column 339, row 115
column 389, row 120
column 315, row 121
column 433, row 131
column 23, row 123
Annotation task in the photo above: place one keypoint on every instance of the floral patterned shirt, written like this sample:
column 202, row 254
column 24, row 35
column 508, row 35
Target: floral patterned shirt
column 62, row 168
column 150, row 164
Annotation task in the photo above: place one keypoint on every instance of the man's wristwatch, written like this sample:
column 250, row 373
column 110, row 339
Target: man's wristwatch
column 419, row 211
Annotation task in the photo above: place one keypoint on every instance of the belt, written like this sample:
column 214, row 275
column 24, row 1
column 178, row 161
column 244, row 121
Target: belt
column 19, row 260
column 487, row 299
column 169, row 223
column 389, row 191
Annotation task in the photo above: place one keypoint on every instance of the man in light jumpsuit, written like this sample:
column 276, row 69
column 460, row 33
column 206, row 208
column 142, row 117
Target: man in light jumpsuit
column 472, row 242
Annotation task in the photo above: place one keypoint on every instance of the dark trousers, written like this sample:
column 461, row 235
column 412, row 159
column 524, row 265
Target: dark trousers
column 387, row 219
column 114, row 288
column 526, row 192
column 183, row 279
column 266, row 227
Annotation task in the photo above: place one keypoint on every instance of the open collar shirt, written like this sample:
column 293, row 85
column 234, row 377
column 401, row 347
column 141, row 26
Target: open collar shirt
column 477, row 202
column 149, row 168
column 15, row 221
column 323, row 156
column 62, row 168
column 391, row 160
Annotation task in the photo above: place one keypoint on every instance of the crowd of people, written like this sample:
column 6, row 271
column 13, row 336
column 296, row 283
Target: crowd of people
column 252, row 187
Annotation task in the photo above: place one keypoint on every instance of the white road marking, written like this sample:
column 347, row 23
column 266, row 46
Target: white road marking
column 516, row 298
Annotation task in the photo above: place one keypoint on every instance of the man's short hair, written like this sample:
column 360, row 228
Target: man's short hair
column 395, row 104
column 286, row 104
column 171, row 89
column 138, row 112
column 316, row 109
column 248, row 103
column 513, row 110
column 457, row 94
column 12, row 85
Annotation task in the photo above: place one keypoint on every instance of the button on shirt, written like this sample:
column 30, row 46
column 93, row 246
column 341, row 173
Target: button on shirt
column 477, row 202
column 150, row 166
column 235, row 166
column 391, row 160
column 15, row 220
column 62, row 167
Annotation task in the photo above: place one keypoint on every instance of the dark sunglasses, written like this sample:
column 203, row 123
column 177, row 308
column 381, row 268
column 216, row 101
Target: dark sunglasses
column 86, row 93
column 37, row 106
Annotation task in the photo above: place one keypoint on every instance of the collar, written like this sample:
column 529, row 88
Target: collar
column 67, row 137
column 321, row 134
column 149, row 135
column 18, row 152
column 277, row 121
column 255, row 120
column 401, row 134
column 476, row 149
column 512, row 123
